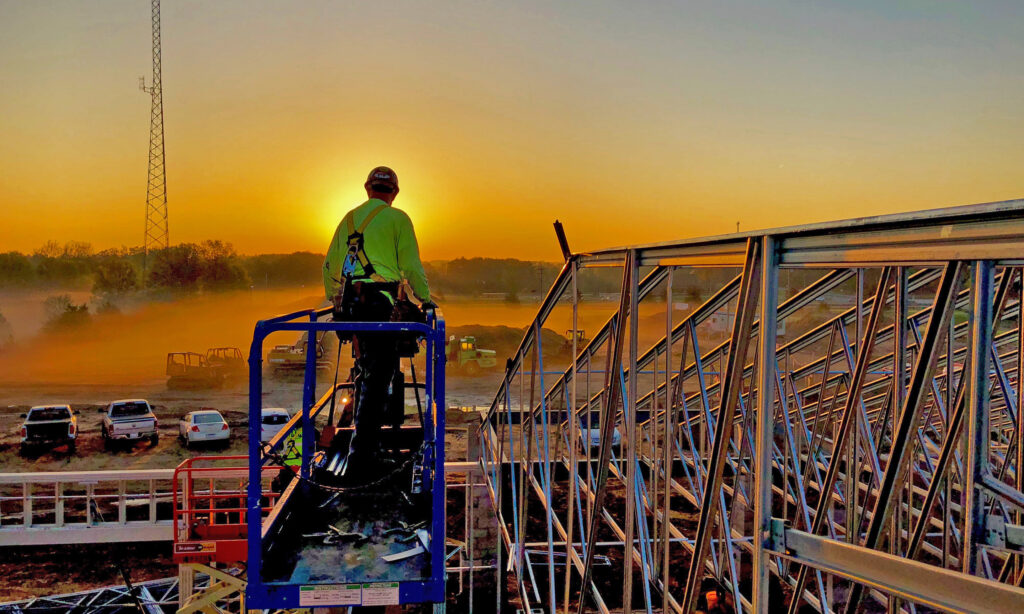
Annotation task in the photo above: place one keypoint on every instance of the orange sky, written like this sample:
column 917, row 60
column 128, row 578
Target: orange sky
column 628, row 121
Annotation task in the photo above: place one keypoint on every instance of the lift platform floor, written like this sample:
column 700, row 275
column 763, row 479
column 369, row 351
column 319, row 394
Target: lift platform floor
column 342, row 538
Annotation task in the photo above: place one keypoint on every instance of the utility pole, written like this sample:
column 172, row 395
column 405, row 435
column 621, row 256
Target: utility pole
column 156, row 236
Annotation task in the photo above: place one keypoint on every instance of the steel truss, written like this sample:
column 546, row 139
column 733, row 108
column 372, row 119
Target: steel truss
column 156, row 597
column 868, row 458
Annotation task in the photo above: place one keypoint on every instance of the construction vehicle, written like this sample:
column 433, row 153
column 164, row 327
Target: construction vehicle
column 228, row 360
column 292, row 358
column 580, row 336
column 192, row 370
column 468, row 359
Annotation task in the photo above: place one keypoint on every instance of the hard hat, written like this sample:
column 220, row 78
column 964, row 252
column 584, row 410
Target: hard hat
column 382, row 175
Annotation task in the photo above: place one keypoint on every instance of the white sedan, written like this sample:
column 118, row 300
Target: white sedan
column 272, row 420
column 204, row 425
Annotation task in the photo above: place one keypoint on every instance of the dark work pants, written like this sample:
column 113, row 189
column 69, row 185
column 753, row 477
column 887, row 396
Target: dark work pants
column 376, row 365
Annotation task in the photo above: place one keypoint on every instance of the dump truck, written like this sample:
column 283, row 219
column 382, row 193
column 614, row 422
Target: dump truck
column 464, row 357
column 192, row 370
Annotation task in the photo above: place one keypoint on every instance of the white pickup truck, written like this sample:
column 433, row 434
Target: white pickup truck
column 129, row 420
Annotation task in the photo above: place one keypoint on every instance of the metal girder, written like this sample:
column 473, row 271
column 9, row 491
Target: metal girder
column 726, row 410
column 766, row 380
column 991, row 231
column 909, row 414
column 607, row 424
column 924, row 584
column 849, row 416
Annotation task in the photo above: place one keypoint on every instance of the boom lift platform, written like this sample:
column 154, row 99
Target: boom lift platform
column 329, row 544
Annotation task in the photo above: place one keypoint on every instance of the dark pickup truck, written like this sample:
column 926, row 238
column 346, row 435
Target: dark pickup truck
column 49, row 425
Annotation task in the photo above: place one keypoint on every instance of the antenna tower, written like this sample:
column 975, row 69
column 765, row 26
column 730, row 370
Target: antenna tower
column 156, row 236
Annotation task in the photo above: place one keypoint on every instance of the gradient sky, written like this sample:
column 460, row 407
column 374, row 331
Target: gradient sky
column 631, row 121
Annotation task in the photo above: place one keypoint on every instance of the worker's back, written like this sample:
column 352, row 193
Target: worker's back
column 389, row 243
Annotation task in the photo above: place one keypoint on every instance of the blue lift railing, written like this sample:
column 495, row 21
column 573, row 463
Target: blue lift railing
column 266, row 595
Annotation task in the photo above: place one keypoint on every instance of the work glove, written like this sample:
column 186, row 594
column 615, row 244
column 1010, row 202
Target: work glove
column 336, row 312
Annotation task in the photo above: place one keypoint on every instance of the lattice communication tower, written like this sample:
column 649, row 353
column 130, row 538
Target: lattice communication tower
column 156, row 236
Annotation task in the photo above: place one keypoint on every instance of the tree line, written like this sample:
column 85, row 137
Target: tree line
column 187, row 267
column 214, row 265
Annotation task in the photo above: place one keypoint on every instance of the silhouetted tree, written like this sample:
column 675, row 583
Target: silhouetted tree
column 179, row 267
column 212, row 265
column 221, row 270
column 16, row 269
column 63, row 313
column 274, row 270
column 115, row 276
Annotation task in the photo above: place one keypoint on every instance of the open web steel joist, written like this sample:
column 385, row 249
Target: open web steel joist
column 835, row 425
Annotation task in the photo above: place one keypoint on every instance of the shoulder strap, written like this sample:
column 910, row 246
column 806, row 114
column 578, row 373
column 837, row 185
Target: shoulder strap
column 349, row 226
column 369, row 218
column 350, row 220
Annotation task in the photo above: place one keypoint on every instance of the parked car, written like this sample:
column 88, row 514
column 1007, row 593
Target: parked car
column 129, row 420
column 272, row 420
column 49, row 425
column 203, row 425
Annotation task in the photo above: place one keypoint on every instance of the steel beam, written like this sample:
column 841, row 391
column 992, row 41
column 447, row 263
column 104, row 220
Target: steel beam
column 924, row 584
column 723, row 426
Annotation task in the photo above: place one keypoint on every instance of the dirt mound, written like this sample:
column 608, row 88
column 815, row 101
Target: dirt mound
column 504, row 340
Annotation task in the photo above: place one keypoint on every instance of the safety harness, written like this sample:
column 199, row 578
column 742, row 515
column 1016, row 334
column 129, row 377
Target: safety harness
column 356, row 252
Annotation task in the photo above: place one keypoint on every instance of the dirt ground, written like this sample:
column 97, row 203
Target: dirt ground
column 34, row 572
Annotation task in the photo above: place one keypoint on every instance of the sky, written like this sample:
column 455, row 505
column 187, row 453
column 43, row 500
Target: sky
column 628, row 121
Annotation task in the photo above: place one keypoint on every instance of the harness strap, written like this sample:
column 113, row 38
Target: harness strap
column 350, row 220
column 357, row 234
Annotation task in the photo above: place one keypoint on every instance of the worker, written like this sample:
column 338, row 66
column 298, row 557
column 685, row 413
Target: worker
column 374, row 248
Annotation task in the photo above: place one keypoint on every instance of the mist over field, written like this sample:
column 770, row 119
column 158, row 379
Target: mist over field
column 131, row 346
column 71, row 316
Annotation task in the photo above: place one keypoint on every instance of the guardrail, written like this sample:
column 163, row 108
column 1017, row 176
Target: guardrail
column 45, row 508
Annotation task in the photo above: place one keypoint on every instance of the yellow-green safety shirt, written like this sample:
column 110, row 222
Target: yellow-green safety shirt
column 390, row 244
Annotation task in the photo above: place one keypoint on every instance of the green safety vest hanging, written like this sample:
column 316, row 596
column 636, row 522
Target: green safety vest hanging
column 293, row 447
